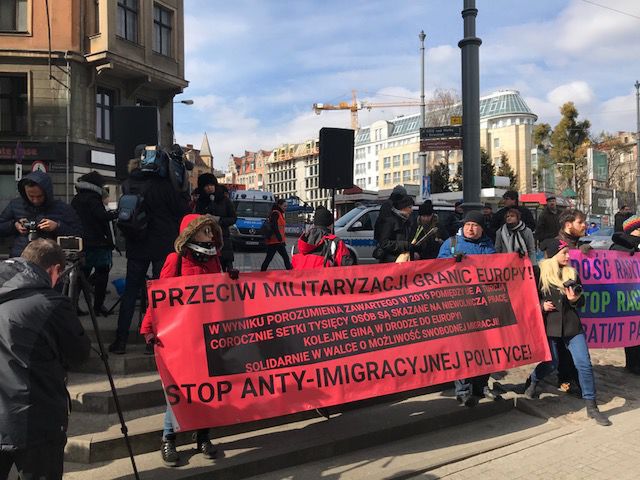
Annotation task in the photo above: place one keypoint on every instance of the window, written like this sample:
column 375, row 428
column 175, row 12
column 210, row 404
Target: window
column 386, row 162
column 104, row 107
column 416, row 174
column 13, row 104
column 162, row 30
column 396, row 177
column 13, row 16
column 406, row 158
column 496, row 143
column 128, row 20
column 396, row 160
column 406, row 176
column 387, row 178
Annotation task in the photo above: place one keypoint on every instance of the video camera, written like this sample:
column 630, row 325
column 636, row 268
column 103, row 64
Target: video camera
column 575, row 286
column 169, row 163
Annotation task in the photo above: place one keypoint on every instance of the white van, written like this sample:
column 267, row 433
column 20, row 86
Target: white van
column 356, row 228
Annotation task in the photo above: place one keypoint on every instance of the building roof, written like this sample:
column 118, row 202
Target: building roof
column 497, row 104
column 205, row 149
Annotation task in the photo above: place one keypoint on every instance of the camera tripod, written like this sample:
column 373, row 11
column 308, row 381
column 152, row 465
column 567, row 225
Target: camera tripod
column 75, row 282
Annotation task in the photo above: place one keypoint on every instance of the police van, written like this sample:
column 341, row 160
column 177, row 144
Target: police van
column 252, row 209
column 356, row 228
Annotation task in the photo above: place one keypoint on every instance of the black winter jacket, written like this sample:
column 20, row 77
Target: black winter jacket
column 52, row 209
column 225, row 211
column 564, row 321
column 165, row 207
column 548, row 225
column 39, row 336
column 93, row 216
column 394, row 236
column 623, row 242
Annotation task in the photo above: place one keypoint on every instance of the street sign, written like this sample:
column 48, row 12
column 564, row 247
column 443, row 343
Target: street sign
column 38, row 166
column 440, row 144
column 440, row 132
column 18, row 172
column 456, row 120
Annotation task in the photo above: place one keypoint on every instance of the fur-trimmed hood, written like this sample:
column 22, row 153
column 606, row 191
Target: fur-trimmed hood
column 190, row 225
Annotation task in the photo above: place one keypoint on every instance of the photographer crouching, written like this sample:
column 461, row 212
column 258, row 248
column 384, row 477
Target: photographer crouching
column 40, row 336
column 36, row 214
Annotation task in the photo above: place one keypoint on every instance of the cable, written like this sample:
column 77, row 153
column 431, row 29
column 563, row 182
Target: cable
column 612, row 9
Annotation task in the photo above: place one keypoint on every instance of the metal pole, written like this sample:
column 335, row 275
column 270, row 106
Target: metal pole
column 68, row 134
column 470, row 46
column 637, row 85
column 423, row 108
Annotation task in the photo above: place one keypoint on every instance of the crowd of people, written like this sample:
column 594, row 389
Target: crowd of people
column 177, row 237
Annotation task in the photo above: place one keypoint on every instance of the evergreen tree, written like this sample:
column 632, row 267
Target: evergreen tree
column 487, row 169
column 505, row 170
column 457, row 180
column 440, row 178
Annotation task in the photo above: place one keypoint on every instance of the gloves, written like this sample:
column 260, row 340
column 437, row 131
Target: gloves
column 150, row 338
column 521, row 254
column 586, row 248
column 234, row 273
column 459, row 257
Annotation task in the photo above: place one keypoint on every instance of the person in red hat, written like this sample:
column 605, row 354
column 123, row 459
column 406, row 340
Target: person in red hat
column 197, row 252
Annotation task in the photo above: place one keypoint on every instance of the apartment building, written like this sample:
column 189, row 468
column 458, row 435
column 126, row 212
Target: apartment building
column 56, row 105
column 387, row 152
column 250, row 169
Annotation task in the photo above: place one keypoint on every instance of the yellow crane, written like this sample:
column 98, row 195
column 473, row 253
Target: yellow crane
column 354, row 106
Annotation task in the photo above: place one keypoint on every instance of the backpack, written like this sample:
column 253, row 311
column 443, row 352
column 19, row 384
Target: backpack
column 266, row 231
column 330, row 255
column 132, row 215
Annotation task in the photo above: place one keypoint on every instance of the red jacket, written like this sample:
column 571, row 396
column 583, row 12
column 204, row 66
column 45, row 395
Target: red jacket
column 319, row 248
column 280, row 223
column 189, row 267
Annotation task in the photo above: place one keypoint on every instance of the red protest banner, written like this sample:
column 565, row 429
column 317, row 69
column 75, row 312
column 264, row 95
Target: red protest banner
column 272, row 343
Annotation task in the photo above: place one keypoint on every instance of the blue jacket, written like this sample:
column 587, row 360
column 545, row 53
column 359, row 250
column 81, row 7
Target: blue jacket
column 21, row 207
column 481, row 247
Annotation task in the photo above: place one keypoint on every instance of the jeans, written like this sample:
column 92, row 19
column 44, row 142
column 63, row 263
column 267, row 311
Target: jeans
column 577, row 346
column 99, row 260
column 471, row 386
column 281, row 248
column 43, row 461
column 136, row 277
column 168, row 433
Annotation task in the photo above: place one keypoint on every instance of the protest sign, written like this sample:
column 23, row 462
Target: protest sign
column 274, row 343
column 611, row 281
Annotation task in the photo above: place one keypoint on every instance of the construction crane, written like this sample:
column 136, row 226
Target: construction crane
column 354, row 106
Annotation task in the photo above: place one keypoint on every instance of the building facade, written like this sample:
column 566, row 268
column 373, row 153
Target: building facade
column 56, row 106
column 388, row 152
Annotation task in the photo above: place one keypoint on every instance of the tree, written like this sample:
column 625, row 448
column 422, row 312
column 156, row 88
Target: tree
column 457, row 179
column 442, row 106
column 569, row 143
column 487, row 169
column 542, row 136
column 505, row 170
column 440, row 178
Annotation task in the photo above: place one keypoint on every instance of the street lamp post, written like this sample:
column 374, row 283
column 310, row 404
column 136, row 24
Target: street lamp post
column 637, row 85
column 187, row 101
column 470, row 50
column 423, row 111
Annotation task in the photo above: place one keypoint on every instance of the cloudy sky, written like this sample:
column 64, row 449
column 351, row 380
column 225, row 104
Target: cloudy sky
column 255, row 67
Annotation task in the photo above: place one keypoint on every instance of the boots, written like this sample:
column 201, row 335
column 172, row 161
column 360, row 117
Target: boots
column 593, row 412
column 530, row 389
column 207, row 449
column 169, row 453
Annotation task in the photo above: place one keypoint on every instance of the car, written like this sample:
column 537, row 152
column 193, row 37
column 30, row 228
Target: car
column 601, row 240
column 356, row 228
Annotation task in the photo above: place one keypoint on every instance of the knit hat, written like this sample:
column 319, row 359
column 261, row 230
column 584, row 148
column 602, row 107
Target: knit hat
column 474, row 216
column 458, row 203
column 206, row 179
column 323, row 217
column 511, row 194
column 630, row 224
column 190, row 225
column 551, row 197
column 403, row 202
column 94, row 178
column 426, row 208
column 551, row 246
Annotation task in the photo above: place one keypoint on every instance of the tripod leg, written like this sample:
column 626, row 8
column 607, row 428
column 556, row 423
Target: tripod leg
column 86, row 289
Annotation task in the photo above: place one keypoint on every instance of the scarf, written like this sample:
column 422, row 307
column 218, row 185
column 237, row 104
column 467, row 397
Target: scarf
column 512, row 238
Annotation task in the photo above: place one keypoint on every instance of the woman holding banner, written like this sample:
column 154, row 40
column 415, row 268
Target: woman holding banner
column 629, row 241
column 197, row 252
column 561, row 296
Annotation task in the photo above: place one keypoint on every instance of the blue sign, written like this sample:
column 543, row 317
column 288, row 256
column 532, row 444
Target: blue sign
column 426, row 187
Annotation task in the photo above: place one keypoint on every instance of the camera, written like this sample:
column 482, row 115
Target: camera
column 70, row 244
column 32, row 227
column 575, row 286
